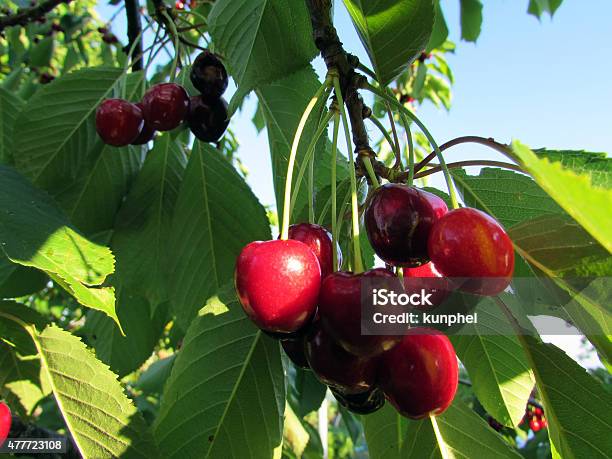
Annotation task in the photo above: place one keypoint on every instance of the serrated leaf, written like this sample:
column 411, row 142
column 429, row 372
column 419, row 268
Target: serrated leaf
column 247, row 33
column 17, row 281
column 152, row 380
column 463, row 433
column 35, row 233
column 439, row 32
column 40, row 54
column 50, row 148
column 226, row 393
column 497, row 366
column 576, row 418
column 215, row 216
column 471, row 19
column 10, row 106
column 589, row 205
column 538, row 7
column 104, row 423
column 598, row 166
column 393, row 33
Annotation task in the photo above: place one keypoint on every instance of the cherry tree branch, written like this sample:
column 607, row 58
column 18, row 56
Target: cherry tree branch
column 25, row 15
column 132, row 11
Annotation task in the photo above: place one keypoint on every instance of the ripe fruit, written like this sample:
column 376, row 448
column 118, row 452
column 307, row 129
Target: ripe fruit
column 534, row 425
column 320, row 242
column 278, row 283
column 207, row 120
column 5, row 422
column 420, row 375
column 467, row 243
column 340, row 312
column 364, row 403
column 146, row 133
column 118, row 122
column 208, row 75
column 294, row 348
column 165, row 106
column 428, row 277
column 398, row 220
column 337, row 368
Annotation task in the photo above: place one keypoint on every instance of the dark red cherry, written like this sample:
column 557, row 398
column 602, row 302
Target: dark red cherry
column 208, row 75
column 398, row 220
column 428, row 277
column 146, row 134
column 118, row 122
column 294, row 348
column 5, row 422
column 363, row 403
column 467, row 243
column 340, row 312
column 165, row 106
column 207, row 120
column 278, row 284
column 320, row 242
column 335, row 367
column 420, row 375
column 535, row 425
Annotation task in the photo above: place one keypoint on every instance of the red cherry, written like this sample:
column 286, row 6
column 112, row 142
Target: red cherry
column 165, row 106
column 340, row 313
column 431, row 280
column 337, row 368
column 118, row 122
column 420, row 375
column 278, row 283
column 398, row 220
column 468, row 243
column 538, row 411
column 146, row 134
column 534, row 425
column 543, row 423
column 320, row 242
column 5, row 422
column 294, row 348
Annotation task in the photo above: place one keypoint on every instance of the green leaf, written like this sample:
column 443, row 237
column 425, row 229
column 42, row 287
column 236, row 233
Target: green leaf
column 17, row 280
column 40, row 54
column 226, row 394
column 248, row 34
column 598, row 166
column 439, row 33
column 216, row 215
column 305, row 391
column 589, row 205
column 51, row 144
column 393, row 33
column 10, row 106
column 471, row 19
column 539, row 7
column 142, row 228
column 104, row 423
column 34, row 232
column 576, row 417
column 152, row 380
column 496, row 364
column 463, row 433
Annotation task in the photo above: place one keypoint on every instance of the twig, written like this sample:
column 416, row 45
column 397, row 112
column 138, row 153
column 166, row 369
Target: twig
column 25, row 15
column 134, row 33
column 476, row 162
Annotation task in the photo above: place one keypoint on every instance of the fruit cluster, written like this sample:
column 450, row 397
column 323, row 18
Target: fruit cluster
column 166, row 106
column 534, row 415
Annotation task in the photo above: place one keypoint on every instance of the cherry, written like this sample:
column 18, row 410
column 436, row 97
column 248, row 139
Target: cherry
column 320, row 242
column 335, row 367
column 165, row 106
column 5, row 422
column 118, row 122
column 420, row 375
column 431, row 280
column 340, row 312
column 278, row 283
column 208, row 75
column 146, row 133
column 294, row 348
column 468, row 243
column 398, row 220
column 363, row 403
column 534, row 425
column 207, row 120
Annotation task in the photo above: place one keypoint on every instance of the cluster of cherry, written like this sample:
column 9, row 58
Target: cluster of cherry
column 166, row 106
column 535, row 416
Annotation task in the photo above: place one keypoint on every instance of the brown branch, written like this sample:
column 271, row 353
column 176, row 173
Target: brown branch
column 25, row 15
column 132, row 11
column 476, row 162
column 327, row 41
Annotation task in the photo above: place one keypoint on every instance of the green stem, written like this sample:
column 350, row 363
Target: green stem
column 307, row 157
column 432, row 141
column 175, row 34
column 367, row 71
column 334, row 204
column 384, row 132
column 398, row 156
column 370, row 170
column 358, row 265
column 292, row 156
column 410, row 150
column 400, row 273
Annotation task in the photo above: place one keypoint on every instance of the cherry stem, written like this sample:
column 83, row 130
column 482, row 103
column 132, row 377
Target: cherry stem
column 334, row 204
column 130, row 58
column 410, row 150
column 370, row 170
column 174, row 32
column 292, row 156
column 400, row 273
column 358, row 264
column 432, row 141
column 367, row 71
column 476, row 162
column 398, row 156
column 441, row 443
column 307, row 159
column 384, row 132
